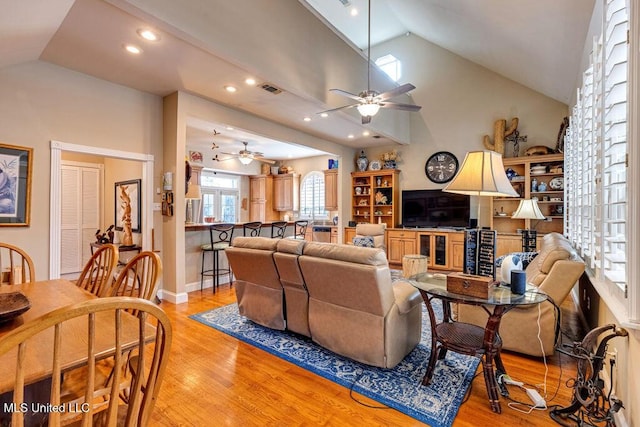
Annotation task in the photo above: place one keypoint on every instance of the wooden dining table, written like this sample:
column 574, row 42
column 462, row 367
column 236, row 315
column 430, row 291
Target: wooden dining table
column 49, row 295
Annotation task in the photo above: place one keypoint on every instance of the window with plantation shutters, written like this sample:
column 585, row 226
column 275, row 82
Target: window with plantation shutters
column 597, row 161
column 312, row 197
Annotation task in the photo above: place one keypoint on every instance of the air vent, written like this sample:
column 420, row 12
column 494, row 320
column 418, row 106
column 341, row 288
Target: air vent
column 270, row 88
column 345, row 3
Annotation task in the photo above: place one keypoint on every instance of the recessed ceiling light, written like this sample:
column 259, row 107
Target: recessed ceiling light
column 366, row 133
column 133, row 49
column 148, row 35
column 354, row 11
column 250, row 81
column 350, row 136
column 324, row 115
column 307, row 119
column 230, row 88
column 229, row 128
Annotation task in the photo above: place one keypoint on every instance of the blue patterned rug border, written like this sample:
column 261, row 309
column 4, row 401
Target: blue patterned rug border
column 365, row 372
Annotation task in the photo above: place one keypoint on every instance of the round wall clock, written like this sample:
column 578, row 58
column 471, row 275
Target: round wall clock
column 441, row 167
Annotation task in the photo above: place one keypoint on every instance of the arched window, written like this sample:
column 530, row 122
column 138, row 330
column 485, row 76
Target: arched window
column 312, row 196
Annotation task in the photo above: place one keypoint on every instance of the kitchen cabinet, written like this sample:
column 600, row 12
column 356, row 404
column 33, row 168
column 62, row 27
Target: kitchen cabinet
column 261, row 199
column 331, row 189
column 286, row 192
column 349, row 234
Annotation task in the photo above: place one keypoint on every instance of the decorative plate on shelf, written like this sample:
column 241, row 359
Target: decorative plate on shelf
column 375, row 165
column 557, row 183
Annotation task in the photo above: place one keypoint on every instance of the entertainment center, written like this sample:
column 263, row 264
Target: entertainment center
column 432, row 222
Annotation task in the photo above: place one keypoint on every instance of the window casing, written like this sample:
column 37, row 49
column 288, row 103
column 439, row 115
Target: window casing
column 312, row 197
column 391, row 66
column 220, row 195
column 597, row 165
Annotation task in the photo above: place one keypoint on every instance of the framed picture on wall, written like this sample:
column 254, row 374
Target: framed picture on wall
column 15, row 185
column 128, row 193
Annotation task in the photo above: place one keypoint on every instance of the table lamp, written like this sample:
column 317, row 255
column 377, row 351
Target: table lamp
column 528, row 209
column 194, row 192
column 482, row 174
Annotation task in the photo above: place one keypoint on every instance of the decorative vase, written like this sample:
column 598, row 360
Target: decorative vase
column 362, row 162
column 534, row 184
column 389, row 164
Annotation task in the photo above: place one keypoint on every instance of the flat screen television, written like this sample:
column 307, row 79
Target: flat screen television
column 435, row 208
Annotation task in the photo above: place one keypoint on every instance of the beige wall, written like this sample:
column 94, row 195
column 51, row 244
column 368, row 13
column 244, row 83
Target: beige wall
column 40, row 102
column 460, row 102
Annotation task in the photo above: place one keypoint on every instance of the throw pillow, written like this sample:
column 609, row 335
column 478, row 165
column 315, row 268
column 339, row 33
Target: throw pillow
column 525, row 257
column 363, row 241
column 510, row 263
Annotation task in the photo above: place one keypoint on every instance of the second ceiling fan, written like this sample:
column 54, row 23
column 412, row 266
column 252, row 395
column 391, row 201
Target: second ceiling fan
column 370, row 101
column 245, row 156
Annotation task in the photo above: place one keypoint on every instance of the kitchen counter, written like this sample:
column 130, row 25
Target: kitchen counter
column 205, row 225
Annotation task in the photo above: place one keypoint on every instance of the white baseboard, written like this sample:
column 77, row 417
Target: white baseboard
column 172, row 297
column 183, row 297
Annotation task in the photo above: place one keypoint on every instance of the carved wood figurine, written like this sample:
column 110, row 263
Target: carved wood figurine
column 500, row 132
column 127, row 238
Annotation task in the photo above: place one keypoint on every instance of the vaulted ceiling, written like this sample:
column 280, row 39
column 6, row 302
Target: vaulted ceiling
column 207, row 45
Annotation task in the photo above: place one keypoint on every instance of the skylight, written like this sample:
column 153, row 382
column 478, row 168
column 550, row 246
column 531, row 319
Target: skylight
column 391, row 66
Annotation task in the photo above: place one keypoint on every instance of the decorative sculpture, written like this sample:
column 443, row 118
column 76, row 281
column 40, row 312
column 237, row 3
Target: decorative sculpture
column 499, row 133
column 127, row 238
column 590, row 402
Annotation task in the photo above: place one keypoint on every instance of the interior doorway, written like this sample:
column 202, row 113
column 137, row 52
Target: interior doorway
column 55, row 226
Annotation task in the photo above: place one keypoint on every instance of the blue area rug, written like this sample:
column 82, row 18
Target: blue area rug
column 399, row 388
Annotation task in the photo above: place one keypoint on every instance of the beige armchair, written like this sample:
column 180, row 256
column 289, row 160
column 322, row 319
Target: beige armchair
column 555, row 270
column 374, row 230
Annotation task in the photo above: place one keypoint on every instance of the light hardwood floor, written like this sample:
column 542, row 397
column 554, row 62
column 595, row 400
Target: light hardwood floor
column 217, row 380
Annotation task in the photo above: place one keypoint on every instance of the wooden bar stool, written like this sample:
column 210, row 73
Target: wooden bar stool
column 220, row 236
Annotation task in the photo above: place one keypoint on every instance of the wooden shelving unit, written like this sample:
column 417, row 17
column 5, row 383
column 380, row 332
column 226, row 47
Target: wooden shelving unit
column 375, row 197
column 550, row 201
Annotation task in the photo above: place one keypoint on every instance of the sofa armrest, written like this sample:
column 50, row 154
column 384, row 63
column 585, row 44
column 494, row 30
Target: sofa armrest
column 406, row 295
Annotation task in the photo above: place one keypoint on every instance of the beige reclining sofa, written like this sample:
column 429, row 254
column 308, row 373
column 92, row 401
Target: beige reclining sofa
column 555, row 270
column 339, row 295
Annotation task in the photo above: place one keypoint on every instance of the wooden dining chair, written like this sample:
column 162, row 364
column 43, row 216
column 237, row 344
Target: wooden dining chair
column 101, row 406
column 97, row 275
column 16, row 265
column 139, row 278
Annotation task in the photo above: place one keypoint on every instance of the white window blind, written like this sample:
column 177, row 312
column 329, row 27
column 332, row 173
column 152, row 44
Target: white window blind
column 312, row 196
column 596, row 154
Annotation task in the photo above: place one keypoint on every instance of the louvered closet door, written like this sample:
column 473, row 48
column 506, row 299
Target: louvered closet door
column 80, row 216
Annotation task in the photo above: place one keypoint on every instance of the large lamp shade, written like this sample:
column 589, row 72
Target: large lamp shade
column 482, row 174
column 528, row 209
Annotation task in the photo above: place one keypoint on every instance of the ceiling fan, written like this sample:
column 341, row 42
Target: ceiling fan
column 370, row 101
column 245, row 156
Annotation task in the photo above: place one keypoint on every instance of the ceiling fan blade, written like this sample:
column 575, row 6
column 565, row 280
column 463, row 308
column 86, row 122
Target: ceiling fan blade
column 398, row 106
column 395, row 92
column 366, row 120
column 229, row 154
column 339, row 108
column 263, row 160
column 218, row 159
column 347, row 94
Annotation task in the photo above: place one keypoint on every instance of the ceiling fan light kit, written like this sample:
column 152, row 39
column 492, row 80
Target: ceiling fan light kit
column 370, row 101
